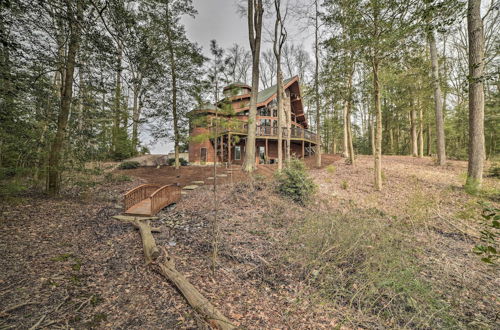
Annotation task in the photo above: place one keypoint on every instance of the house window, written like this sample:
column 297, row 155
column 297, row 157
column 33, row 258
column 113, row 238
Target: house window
column 265, row 111
column 237, row 153
column 275, row 113
column 265, row 122
column 275, row 123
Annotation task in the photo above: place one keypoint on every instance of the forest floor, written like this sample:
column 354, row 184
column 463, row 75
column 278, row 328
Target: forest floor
column 351, row 258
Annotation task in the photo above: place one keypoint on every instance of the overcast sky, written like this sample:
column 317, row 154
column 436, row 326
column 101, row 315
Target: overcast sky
column 219, row 20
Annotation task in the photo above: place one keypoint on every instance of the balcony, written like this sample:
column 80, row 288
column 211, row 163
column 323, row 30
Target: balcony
column 241, row 128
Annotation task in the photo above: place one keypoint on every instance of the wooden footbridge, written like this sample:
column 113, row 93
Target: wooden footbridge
column 149, row 199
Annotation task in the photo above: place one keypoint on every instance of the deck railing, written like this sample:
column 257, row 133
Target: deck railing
column 295, row 132
column 138, row 194
column 164, row 196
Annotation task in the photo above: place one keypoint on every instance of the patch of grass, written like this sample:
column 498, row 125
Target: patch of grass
column 344, row 185
column 116, row 178
column 331, row 169
column 63, row 257
column 419, row 207
column 361, row 264
column 96, row 320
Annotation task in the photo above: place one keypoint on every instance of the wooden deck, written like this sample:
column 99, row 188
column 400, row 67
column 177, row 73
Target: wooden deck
column 149, row 199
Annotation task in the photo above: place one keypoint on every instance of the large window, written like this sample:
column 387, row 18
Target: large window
column 265, row 111
column 237, row 153
column 265, row 122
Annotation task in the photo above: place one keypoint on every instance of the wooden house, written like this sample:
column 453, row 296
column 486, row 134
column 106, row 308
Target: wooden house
column 228, row 123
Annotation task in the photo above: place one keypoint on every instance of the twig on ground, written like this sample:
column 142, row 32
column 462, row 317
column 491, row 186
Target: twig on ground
column 40, row 321
column 12, row 308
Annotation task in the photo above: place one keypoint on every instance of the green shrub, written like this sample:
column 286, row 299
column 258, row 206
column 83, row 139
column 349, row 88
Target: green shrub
column 344, row 185
column 294, row 182
column 128, row 165
column 489, row 250
column 182, row 161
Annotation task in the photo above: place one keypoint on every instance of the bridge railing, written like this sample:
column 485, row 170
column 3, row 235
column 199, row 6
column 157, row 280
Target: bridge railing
column 138, row 194
column 164, row 196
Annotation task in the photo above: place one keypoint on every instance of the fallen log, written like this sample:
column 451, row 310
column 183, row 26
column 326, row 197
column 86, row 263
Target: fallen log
column 167, row 268
column 201, row 304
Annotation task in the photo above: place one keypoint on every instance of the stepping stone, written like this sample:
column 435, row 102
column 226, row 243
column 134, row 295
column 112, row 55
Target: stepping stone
column 210, row 178
column 222, row 175
column 133, row 218
column 184, row 192
column 192, row 187
column 198, row 182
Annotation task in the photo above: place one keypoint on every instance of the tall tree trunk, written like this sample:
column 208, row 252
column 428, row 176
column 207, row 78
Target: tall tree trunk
column 316, row 85
column 438, row 101
column 378, row 129
column 414, row 142
column 372, row 134
column 476, row 95
column 67, row 93
column 279, row 40
column 118, row 99
column 346, row 127
column 173, row 73
column 429, row 140
column 255, row 12
column 136, row 111
column 420, row 132
column 349, row 134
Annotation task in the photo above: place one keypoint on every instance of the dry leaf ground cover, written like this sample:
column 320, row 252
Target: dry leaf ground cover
column 351, row 258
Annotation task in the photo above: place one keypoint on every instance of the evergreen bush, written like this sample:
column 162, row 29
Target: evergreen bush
column 128, row 165
column 294, row 182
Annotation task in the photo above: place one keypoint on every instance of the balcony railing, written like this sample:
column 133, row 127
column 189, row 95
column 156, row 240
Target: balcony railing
column 242, row 128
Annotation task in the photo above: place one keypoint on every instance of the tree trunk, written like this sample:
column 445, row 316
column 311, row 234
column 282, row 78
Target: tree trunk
column 420, row 132
column 67, row 93
column 346, row 134
column 255, row 12
column 279, row 40
column 429, row 140
column 136, row 112
column 476, row 96
column 378, row 129
column 117, row 101
column 414, row 142
column 316, row 86
column 173, row 73
column 349, row 134
column 438, row 102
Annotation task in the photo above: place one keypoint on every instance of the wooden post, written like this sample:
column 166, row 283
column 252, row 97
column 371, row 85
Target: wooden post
column 309, row 147
column 222, row 148
column 303, row 147
column 229, row 149
column 267, row 155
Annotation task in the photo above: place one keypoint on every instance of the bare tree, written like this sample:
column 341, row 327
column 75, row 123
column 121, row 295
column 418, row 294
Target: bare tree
column 255, row 13
column 278, row 42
